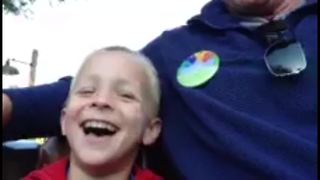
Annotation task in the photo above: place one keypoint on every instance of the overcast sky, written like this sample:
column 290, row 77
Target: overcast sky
column 65, row 33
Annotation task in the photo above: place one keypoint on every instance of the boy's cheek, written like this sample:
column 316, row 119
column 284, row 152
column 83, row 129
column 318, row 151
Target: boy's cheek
column 74, row 111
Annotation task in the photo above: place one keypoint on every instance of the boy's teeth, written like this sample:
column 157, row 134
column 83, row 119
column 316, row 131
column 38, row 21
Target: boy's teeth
column 96, row 124
column 99, row 125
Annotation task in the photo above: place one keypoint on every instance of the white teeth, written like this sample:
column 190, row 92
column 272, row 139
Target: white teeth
column 99, row 124
column 95, row 124
column 110, row 127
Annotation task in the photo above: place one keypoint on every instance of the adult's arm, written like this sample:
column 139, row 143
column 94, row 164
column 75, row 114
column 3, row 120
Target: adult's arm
column 6, row 109
column 33, row 111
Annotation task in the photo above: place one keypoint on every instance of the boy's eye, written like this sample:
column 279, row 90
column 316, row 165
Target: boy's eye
column 127, row 96
column 86, row 91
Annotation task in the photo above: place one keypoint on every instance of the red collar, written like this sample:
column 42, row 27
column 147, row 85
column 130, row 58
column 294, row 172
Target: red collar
column 58, row 171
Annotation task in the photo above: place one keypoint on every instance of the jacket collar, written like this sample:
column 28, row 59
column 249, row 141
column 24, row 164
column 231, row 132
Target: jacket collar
column 58, row 170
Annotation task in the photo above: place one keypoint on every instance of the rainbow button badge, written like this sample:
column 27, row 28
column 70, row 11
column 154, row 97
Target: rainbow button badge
column 198, row 68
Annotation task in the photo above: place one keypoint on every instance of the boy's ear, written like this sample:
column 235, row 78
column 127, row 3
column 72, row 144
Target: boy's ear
column 63, row 121
column 152, row 132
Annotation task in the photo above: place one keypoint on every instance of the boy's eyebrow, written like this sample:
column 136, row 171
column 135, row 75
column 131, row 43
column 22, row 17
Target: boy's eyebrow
column 122, row 82
column 87, row 78
column 117, row 83
column 92, row 77
column 128, row 86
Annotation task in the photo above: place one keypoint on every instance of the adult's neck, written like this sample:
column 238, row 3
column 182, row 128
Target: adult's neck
column 272, row 11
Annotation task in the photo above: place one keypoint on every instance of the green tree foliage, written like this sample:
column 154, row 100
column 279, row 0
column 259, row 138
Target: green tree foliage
column 17, row 6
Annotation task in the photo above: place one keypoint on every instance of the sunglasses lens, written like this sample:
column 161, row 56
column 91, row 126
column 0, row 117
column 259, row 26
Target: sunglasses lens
column 285, row 58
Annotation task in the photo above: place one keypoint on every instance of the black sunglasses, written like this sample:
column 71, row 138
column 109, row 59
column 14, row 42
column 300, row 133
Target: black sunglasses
column 285, row 55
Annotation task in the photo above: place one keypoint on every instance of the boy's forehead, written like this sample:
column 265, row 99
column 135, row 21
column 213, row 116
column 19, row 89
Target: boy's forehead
column 113, row 57
column 116, row 63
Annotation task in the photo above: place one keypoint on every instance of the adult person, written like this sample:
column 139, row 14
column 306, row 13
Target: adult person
column 249, row 113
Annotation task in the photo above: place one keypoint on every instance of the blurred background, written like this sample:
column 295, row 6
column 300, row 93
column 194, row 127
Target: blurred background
column 44, row 40
column 64, row 32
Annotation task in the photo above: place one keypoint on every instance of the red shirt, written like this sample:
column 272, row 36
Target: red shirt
column 58, row 171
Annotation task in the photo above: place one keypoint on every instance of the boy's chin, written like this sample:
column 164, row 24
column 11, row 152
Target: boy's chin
column 95, row 159
column 90, row 159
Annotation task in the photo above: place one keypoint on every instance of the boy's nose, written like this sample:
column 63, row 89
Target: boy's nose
column 102, row 102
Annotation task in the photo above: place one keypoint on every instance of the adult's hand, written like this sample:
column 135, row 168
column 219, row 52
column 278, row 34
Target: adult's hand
column 6, row 109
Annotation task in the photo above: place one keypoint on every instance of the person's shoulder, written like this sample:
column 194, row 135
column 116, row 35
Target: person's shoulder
column 167, row 35
column 66, row 78
column 55, row 170
column 166, row 39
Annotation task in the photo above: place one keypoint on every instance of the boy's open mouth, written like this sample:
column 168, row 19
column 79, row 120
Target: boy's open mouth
column 99, row 127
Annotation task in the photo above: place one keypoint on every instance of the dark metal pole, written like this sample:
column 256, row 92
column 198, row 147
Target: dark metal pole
column 33, row 65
